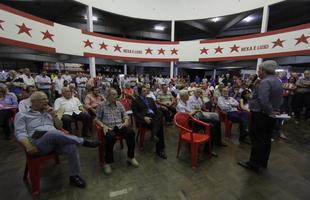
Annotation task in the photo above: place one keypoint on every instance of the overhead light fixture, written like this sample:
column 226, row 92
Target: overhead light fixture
column 159, row 28
column 94, row 18
column 215, row 19
column 248, row 19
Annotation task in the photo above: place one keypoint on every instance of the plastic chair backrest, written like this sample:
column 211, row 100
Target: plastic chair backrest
column 126, row 103
column 181, row 120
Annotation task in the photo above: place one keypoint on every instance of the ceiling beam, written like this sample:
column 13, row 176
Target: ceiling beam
column 234, row 21
column 198, row 25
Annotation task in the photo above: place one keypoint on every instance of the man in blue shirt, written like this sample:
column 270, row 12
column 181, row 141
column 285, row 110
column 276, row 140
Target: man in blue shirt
column 264, row 106
column 37, row 130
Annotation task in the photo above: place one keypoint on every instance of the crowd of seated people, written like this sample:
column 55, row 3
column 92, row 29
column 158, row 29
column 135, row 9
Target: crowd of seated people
column 81, row 98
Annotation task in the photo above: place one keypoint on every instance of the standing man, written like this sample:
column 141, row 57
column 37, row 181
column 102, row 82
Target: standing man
column 43, row 83
column 265, row 104
column 81, row 81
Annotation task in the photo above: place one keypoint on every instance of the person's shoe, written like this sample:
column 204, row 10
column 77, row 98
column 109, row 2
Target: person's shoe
column 247, row 165
column 222, row 144
column 244, row 140
column 107, row 169
column 77, row 181
column 90, row 143
column 133, row 162
column 214, row 154
column 162, row 154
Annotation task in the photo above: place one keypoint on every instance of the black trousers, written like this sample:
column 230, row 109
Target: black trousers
column 84, row 117
column 302, row 100
column 110, row 138
column 169, row 113
column 5, row 116
column 260, row 133
column 157, row 130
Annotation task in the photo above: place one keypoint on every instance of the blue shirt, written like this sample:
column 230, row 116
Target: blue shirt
column 29, row 122
column 8, row 100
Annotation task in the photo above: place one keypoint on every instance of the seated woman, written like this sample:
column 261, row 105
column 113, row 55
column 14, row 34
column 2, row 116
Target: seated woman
column 7, row 102
column 245, row 96
column 92, row 99
column 193, row 106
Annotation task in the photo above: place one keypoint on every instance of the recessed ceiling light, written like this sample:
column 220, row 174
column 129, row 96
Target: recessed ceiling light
column 94, row 18
column 248, row 19
column 159, row 28
column 215, row 19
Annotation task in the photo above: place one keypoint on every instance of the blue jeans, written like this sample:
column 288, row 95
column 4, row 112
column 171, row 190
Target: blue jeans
column 56, row 141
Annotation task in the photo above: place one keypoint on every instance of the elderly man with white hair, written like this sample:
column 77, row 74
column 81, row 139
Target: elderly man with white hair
column 194, row 105
column 264, row 106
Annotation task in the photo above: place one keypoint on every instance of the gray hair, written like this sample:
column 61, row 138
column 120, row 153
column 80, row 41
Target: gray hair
column 109, row 91
column 36, row 95
column 183, row 93
column 269, row 66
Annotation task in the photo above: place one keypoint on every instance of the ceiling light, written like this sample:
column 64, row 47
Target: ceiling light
column 248, row 19
column 159, row 28
column 215, row 19
column 94, row 18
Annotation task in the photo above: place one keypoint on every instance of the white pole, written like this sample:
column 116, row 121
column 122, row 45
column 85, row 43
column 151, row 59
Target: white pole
column 263, row 29
column 90, row 28
column 172, row 40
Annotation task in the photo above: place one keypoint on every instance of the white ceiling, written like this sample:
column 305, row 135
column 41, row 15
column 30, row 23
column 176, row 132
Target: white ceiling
column 176, row 9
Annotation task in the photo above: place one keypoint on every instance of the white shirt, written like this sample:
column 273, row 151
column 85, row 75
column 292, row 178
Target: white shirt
column 24, row 105
column 67, row 78
column 81, row 81
column 28, row 80
column 194, row 103
column 59, row 83
column 69, row 105
column 183, row 107
column 227, row 104
column 40, row 79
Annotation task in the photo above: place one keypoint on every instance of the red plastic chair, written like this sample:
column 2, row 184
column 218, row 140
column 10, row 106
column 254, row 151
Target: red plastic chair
column 127, row 105
column 33, row 168
column 182, row 120
column 224, row 118
column 141, row 135
column 100, row 135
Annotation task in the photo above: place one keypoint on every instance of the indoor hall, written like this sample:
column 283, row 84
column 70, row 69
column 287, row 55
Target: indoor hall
column 155, row 64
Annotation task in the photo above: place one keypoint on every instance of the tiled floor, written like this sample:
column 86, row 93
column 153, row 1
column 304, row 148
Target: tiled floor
column 288, row 175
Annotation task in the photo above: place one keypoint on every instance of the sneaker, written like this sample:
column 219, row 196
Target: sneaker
column 107, row 169
column 77, row 181
column 90, row 143
column 133, row 162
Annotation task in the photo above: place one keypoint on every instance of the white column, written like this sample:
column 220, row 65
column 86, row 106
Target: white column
column 214, row 73
column 125, row 69
column 176, row 71
column 172, row 40
column 263, row 29
column 90, row 28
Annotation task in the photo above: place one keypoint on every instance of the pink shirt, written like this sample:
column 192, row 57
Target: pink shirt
column 92, row 101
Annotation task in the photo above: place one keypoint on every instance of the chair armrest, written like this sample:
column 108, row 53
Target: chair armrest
column 206, row 125
column 65, row 131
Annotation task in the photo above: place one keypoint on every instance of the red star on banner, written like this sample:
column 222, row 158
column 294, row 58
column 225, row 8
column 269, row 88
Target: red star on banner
column 204, row 50
column 174, row 51
column 278, row 42
column 0, row 24
column 302, row 39
column 24, row 29
column 161, row 51
column 234, row 48
column 103, row 46
column 47, row 35
column 148, row 50
column 117, row 48
column 218, row 49
column 88, row 43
